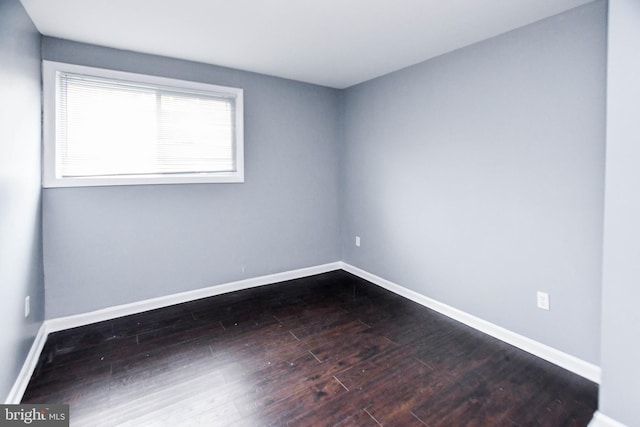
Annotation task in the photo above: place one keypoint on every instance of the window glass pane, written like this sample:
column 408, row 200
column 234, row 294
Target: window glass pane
column 188, row 126
column 106, row 130
column 108, row 127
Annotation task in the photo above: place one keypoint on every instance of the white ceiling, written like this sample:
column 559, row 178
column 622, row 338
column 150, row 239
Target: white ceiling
column 335, row 43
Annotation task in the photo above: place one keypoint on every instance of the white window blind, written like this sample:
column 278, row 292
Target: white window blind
column 117, row 130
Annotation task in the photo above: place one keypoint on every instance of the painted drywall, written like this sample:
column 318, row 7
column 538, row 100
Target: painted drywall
column 476, row 178
column 620, row 387
column 20, row 213
column 105, row 246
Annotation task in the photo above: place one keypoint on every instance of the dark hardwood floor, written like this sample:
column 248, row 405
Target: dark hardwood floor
column 328, row 350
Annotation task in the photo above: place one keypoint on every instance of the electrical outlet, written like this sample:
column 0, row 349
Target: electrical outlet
column 543, row 300
column 27, row 306
column 358, row 241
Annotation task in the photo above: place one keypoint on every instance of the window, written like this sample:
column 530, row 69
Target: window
column 105, row 127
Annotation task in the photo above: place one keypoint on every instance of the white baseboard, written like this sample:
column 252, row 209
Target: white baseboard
column 17, row 391
column 108, row 313
column 543, row 351
column 557, row 357
column 61, row 323
column 601, row 420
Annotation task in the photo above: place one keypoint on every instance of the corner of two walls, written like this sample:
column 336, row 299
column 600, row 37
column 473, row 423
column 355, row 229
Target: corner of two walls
column 620, row 386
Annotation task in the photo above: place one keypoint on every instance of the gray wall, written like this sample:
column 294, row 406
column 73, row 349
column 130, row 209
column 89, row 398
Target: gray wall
column 113, row 245
column 20, row 218
column 620, row 388
column 476, row 178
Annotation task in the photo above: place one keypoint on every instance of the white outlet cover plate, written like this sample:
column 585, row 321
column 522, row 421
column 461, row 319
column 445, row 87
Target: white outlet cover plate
column 543, row 300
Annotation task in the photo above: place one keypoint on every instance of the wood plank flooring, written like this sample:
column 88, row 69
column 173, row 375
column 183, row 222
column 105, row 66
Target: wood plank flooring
column 328, row 350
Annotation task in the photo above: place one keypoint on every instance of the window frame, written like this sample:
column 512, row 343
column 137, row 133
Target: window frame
column 50, row 178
